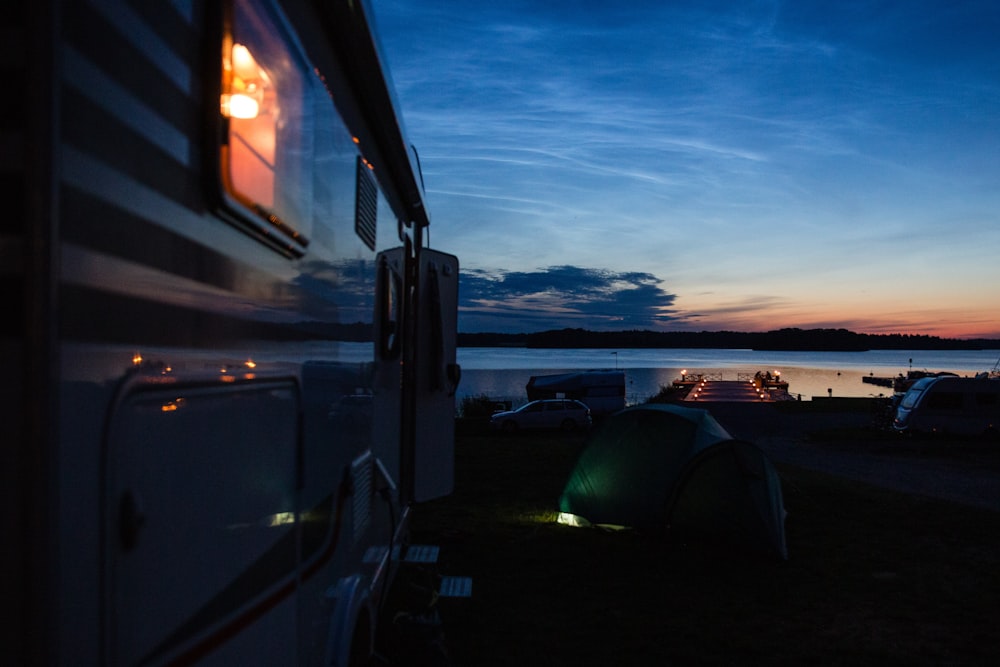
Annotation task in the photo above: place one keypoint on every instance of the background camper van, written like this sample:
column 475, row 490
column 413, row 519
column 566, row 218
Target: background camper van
column 603, row 391
column 948, row 404
column 229, row 352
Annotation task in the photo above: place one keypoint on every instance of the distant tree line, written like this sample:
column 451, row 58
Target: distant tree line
column 781, row 339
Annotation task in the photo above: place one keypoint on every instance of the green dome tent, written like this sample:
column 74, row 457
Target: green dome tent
column 659, row 467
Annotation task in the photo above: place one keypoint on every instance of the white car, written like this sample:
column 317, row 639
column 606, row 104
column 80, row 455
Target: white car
column 562, row 413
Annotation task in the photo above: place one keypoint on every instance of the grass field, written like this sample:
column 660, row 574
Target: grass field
column 873, row 576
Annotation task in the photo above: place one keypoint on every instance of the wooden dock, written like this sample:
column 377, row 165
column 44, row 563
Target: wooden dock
column 738, row 391
column 760, row 387
column 901, row 382
column 879, row 381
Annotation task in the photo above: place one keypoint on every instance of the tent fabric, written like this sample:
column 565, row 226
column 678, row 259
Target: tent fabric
column 731, row 495
column 659, row 467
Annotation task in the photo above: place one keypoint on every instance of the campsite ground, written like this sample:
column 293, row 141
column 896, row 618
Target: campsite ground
column 840, row 437
column 874, row 576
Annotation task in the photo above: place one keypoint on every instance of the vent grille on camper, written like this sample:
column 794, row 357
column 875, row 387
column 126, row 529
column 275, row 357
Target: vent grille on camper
column 362, row 472
column 365, row 204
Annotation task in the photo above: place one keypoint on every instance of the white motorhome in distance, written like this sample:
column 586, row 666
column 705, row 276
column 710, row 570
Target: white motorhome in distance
column 603, row 391
column 949, row 404
column 208, row 205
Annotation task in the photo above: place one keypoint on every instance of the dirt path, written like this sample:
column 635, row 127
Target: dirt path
column 960, row 471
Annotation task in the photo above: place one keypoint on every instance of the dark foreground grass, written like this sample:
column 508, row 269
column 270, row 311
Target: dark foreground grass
column 873, row 577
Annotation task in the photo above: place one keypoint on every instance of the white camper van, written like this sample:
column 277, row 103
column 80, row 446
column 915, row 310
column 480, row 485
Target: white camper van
column 949, row 404
column 603, row 391
column 228, row 352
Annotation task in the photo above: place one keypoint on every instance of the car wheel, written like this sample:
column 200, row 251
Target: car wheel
column 509, row 426
column 568, row 425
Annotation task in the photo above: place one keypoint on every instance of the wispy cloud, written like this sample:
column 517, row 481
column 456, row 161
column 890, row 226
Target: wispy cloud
column 829, row 145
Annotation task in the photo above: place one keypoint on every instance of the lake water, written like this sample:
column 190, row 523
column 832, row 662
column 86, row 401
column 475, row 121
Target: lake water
column 502, row 373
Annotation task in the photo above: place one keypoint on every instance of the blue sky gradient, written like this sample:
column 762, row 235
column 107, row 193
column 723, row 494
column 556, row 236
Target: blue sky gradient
column 693, row 165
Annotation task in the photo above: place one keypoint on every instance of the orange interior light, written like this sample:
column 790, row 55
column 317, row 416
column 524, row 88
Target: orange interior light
column 247, row 82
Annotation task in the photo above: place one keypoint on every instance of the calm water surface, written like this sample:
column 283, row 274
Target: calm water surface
column 502, row 373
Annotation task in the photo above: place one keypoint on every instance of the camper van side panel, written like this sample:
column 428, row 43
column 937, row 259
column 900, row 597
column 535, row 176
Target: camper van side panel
column 962, row 406
column 200, row 470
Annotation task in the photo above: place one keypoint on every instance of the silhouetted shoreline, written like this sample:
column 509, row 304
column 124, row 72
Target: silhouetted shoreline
column 812, row 340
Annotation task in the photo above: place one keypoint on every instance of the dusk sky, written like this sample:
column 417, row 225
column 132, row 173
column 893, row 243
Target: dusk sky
column 698, row 165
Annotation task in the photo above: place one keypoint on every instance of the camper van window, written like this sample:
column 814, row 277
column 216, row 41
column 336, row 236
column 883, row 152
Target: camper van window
column 911, row 397
column 268, row 101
